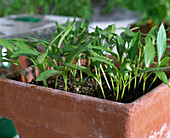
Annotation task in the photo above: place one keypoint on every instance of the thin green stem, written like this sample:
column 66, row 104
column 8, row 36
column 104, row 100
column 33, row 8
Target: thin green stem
column 117, row 96
column 120, row 83
column 135, row 82
column 112, row 84
column 45, row 83
column 74, row 77
column 144, row 86
column 136, row 70
column 152, row 83
column 81, row 74
column 99, row 81
column 65, row 82
column 123, row 91
column 129, row 80
column 144, row 82
column 140, row 79
column 102, row 90
column 105, row 76
column 56, row 78
column 19, row 65
column 101, row 87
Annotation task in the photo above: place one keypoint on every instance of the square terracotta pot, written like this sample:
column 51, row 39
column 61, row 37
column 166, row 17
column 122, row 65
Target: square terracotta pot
column 40, row 112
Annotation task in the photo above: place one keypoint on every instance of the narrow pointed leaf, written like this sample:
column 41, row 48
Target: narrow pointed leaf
column 77, row 51
column 24, row 53
column 133, row 47
column 68, row 48
column 162, row 76
column 41, row 57
column 81, row 68
column 149, row 52
column 120, row 45
column 60, row 26
column 153, row 69
column 7, row 45
column 104, row 49
column 153, row 33
column 46, row 74
column 161, row 42
column 101, row 60
column 164, row 61
column 56, row 56
column 21, row 45
column 67, row 23
column 105, row 60
column 65, row 34
column 6, row 60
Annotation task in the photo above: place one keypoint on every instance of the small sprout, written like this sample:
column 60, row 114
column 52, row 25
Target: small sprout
column 103, row 70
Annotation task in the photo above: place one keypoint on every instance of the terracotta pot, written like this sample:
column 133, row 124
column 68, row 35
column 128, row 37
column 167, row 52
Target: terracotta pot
column 40, row 112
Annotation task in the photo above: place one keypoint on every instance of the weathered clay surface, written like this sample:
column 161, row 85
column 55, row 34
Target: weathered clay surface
column 45, row 112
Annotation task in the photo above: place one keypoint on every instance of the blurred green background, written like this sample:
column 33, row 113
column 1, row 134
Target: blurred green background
column 156, row 10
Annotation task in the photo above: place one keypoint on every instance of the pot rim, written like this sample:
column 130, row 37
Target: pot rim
column 151, row 93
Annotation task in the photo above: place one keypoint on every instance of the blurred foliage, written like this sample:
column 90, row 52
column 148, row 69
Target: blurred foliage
column 156, row 10
column 79, row 8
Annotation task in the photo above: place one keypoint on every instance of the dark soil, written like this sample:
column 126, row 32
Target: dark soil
column 92, row 88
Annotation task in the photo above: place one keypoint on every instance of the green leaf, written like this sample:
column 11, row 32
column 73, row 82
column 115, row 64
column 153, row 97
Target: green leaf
column 128, row 67
column 68, row 48
column 127, row 35
column 168, row 53
column 25, row 46
column 51, row 63
column 20, row 53
column 105, row 60
column 7, row 45
column 153, row 69
column 109, row 70
column 66, row 32
column 34, row 39
column 81, row 68
column 41, row 57
column 133, row 46
column 67, row 23
column 149, row 52
column 135, row 28
column 164, row 61
column 82, row 24
column 110, row 30
column 161, row 42
column 77, row 51
column 6, row 60
column 59, row 26
column 21, row 45
column 162, row 76
column 24, row 49
column 104, row 49
column 101, row 59
column 153, row 33
column 53, row 55
column 46, row 74
column 120, row 46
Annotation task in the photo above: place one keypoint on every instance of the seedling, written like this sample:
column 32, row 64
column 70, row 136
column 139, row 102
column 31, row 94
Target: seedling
column 121, row 71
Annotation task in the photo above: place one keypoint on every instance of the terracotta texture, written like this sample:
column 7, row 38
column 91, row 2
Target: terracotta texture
column 45, row 112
